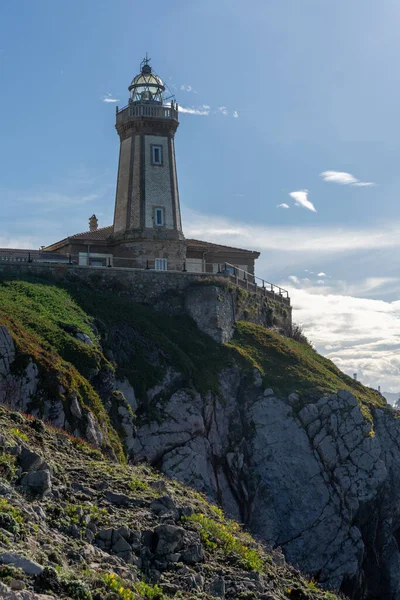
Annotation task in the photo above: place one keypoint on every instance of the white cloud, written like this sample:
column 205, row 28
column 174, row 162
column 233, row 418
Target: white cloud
column 202, row 111
column 223, row 110
column 344, row 178
column 19, row 242
column 187, row 88
column 360, row 335
column 109, row 98
column 283, row 205
column 294, row 279
column 323, row 240
column 235, row 114
column 301, row 199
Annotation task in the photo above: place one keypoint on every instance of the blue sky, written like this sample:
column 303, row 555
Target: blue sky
column 288, row 90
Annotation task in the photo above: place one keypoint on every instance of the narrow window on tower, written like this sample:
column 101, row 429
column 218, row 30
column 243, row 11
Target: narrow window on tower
column 159, row 217
column 156, row 155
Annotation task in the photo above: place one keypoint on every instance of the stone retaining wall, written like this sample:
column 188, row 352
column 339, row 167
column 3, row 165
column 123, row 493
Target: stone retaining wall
column 215, row 303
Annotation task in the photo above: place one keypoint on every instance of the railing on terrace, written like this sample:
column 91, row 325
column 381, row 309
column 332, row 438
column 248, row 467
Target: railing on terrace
column 233, row 273
column 157, row 111
column 248, row 280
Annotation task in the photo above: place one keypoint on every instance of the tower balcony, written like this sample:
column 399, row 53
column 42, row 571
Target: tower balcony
column 147, row 110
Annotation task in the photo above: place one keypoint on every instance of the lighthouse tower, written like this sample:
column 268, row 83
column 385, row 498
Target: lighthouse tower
column 147, row 217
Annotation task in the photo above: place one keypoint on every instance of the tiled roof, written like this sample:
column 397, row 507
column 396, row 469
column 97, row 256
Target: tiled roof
column 100, row 234
column 103, row 233
column 201, row 244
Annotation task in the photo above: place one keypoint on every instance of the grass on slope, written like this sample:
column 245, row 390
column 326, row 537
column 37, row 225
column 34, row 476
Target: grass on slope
column 288, row 366
column 145, row 343
column 42, row 320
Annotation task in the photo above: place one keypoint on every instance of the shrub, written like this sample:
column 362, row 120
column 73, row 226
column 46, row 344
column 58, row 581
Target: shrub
column 117, row 585
column 296, row 333
column 77, row 590
column 19, row 434
column 10, row 516
column 8, row 467
column 225, row 536
column 137, row 485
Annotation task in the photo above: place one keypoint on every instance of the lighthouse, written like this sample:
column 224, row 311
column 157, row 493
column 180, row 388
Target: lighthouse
column 147, row 210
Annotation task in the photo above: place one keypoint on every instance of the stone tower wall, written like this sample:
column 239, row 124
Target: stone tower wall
column 122, row 194
column 158, row 188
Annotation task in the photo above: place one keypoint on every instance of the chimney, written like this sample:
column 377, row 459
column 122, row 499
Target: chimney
column 93, row 223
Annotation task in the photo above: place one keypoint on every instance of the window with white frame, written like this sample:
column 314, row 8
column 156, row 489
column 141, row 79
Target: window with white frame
column 159, row 220
column 161, row 264
column 157, row 155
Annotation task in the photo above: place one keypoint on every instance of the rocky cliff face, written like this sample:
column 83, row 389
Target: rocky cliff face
column 314, row 474
column 318, row 480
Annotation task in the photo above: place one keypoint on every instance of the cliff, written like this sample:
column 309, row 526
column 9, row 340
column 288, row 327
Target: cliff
column 300, row 453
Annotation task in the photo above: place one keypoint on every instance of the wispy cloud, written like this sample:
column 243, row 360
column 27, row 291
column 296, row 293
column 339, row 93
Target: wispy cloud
column 187, row 88
column 301, row 199
column 283, row 205
column 109, row 98
column 202, row 111
column 344, row 178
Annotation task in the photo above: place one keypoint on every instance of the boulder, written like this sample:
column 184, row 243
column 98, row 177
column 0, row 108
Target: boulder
column 37, row 482
column 31, row 461
column 169, row 539
column 28, row 566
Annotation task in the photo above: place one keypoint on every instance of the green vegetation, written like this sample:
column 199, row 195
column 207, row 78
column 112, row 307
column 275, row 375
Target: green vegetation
column 288, row 366
column 143, row 334
column 19, row 434
column 10, row 516
column 45, row 318
column 137, row 484
column 43, row 321
column 8, row 467
column 141, row 589
column 226, row 536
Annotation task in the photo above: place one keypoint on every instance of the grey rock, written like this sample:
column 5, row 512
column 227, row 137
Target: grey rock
column 83, row 337
column 74, row 406
column 169, row 539
column 193, row 554
column 28, row 566
column 31, row 461
column 121, row 546
column 37, row 482
column 118, row 499
column 217, row 587
column 93, row 432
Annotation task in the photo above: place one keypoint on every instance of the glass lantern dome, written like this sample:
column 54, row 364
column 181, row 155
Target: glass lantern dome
column 147, row 87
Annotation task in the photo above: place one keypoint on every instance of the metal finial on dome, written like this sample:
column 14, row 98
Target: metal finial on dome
column 145, row 66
